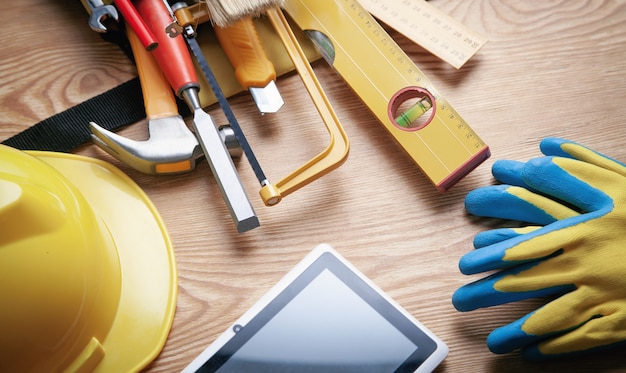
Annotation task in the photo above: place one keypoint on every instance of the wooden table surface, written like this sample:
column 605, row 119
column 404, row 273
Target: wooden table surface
column 550, row 68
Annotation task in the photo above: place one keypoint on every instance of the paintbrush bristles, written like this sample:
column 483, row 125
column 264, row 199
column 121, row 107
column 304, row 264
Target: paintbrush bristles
column 226, row 12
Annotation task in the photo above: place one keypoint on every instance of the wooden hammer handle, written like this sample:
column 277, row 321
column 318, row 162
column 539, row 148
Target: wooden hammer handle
column 158, row 96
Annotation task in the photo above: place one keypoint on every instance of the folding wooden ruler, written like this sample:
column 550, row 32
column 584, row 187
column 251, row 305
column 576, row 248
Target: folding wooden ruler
column 431, row 132
column 429, row 27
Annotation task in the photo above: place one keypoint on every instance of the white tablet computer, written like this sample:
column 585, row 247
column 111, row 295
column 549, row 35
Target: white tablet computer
column 323, row 316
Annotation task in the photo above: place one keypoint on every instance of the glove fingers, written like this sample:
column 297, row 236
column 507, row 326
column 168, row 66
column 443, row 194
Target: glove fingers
column 511, row 337
column 515, row 335
column 493, row 236
column 564, row 148
column 515, row 203
column 561, row 326
column 509, row 172
column 488, row 292
column 539, row 244
column 541, row 275
column 580, row 184
column 597, row 333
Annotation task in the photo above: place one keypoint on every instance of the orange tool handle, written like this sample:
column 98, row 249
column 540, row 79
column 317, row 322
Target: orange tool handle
column 158, row 97
column 135, row 22
column 172, row 54
column 243, row 47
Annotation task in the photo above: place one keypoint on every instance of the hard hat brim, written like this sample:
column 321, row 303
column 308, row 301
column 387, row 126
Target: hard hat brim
column 148, row 268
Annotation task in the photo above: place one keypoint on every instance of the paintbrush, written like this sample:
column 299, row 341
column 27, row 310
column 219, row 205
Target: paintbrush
column 226, row 12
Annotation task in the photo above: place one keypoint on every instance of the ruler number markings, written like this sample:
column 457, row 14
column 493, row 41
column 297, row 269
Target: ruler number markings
column 427, row 26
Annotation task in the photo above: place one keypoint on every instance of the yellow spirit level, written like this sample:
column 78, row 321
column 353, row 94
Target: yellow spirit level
column 440, row 142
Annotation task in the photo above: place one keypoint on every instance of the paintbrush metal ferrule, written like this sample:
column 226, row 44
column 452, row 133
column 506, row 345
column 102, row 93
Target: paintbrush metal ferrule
column 226, row 12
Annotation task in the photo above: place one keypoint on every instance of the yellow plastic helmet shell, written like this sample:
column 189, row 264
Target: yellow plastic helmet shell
column 87, row 272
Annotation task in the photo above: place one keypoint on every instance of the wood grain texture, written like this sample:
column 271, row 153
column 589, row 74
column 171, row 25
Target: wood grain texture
column 550, row 68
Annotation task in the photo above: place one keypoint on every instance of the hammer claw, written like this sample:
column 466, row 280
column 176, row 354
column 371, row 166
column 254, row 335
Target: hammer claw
column 171, row 149
column 102, row 138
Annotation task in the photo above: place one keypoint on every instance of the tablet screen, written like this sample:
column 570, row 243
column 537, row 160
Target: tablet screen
column 328, row 319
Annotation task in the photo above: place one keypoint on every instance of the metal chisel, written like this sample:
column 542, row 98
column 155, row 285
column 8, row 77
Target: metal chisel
column 253, row 70
column 174, row 59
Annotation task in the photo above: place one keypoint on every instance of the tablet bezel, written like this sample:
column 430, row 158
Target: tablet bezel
column 431, row 349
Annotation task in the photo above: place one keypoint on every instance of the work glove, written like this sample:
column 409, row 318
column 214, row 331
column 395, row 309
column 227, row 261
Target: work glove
column 573, row 251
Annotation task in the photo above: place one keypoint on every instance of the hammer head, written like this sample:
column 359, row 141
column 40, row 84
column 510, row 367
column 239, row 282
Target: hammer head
column 171, row 149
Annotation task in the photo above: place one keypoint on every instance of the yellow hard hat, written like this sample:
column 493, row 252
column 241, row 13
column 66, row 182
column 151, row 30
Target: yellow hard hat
column 87, row 269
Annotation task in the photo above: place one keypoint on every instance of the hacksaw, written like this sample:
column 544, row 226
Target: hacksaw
column 335, row 154
column 442, row 144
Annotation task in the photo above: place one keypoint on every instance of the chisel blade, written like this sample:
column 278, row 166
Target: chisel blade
column 224, row 171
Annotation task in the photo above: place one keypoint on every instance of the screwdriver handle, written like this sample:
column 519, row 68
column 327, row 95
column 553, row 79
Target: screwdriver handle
column 158, row 97
column 135, row 22
column 172, row 54
column 242, row 45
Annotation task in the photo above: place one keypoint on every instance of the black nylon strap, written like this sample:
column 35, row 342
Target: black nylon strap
column 112, row 109
column 67, row 130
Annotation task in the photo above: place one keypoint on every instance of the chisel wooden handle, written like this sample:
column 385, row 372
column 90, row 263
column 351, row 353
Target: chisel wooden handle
column 172, row 54
column 243, row 47
column 158, row 97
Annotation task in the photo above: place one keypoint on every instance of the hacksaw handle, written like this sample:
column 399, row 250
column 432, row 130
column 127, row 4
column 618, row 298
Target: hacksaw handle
column 158, row 97
column 172, row 55
column 242, row 45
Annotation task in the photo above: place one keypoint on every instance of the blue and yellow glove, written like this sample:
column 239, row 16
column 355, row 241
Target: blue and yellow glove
column 574, row 251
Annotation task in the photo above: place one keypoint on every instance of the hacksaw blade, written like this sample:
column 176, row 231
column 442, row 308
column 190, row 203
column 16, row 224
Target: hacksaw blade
column 381, row 74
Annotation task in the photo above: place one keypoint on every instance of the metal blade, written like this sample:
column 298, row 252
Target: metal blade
column 224, row 171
